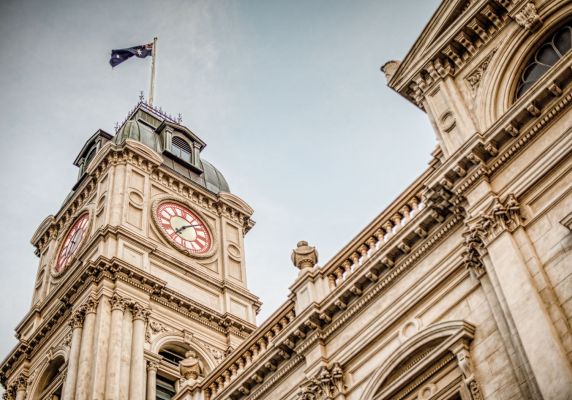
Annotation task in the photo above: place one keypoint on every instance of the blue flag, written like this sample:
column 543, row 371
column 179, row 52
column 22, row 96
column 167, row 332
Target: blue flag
column 120, row 55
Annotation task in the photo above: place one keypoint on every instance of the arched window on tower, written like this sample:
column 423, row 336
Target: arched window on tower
column 181, row 149
column 547, row 53
column 51, row 381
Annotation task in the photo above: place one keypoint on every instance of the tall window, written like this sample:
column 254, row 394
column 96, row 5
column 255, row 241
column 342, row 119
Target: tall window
column 552, row 49
column 168, row 372
column 165, row 389
column 181, row 149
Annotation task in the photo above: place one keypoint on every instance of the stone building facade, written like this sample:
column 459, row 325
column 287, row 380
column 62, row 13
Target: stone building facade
column 460, row 289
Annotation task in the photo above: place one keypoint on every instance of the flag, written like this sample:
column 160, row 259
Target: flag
column 120, row 55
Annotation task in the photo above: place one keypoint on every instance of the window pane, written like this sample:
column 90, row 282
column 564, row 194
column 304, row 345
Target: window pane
column 563, row 40
column 547, row 55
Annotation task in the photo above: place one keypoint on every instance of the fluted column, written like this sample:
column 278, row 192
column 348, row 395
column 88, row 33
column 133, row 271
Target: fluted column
column 151, row 380
column 114, row 356
column 101, row 348
column 126, row 335
column 137, row 377
column 86, row 351
column 76, row 324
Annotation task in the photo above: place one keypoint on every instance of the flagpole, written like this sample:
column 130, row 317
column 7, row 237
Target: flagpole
column 153, row 66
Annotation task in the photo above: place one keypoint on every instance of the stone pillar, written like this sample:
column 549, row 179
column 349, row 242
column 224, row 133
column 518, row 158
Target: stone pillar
column 101, row 348
column 125, row 372
column 85, row 372
column 21, row 385
column 114, row 352
column 151, row 380
column 137, row 376
column 76, row 324
column 525, row 308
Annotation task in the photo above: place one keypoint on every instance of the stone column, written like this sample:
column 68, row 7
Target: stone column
column 125, row 372
column 137, row 376
column 151, row 380
column 76, row 324
column 524, row 305
column 85, row 372
column 101, row 348
column 21, row 384
column 114, row 356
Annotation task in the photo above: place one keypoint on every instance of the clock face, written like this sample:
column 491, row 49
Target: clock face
column 183, row 227
column 71, row 242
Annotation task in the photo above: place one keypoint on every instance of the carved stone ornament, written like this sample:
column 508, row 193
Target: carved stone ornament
column 528, row 17
column 500, row 216
column 139, row 312
column 76, row 320
column 191, row 368
column 154, row 328
column 304, row 256
column 67, row 339
column 474, row 249
column 90, row 306
column 117, row 302
column 475, row 77
column 326, row 384
column 464, row 362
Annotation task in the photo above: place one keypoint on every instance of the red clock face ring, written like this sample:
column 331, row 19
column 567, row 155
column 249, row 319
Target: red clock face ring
column 183, row 227
column 71, row 242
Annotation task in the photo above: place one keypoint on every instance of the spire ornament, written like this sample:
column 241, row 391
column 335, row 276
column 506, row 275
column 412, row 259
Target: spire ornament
column 304, row 257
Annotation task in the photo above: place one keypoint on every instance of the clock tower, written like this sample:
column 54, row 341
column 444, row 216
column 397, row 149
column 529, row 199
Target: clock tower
column 141, row 274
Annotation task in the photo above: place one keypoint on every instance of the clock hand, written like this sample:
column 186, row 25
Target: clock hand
column 182, row 228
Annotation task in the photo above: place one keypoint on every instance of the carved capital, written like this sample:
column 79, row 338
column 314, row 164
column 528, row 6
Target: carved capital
column 528, row 17
column 139, row 312
column 474, row 250
column 500, row 216
column 76, row 320
column 21, row 383
column 117, row 302
column 90, row 306
column 152, row 365
column 304, row 256
column 326, row 384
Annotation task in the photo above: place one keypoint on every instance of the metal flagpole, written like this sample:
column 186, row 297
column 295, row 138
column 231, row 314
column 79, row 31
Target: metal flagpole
column 153, row 63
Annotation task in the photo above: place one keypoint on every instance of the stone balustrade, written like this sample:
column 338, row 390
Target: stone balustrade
column 370, row 241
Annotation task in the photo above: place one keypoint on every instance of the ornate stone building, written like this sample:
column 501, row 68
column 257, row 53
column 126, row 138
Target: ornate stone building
column 460, row 289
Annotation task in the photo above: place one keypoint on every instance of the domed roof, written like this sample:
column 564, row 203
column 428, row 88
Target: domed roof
column 136, row 130
column 214, row 179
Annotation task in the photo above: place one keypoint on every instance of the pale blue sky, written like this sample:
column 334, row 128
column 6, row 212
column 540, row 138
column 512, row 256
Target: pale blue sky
column 287, row 94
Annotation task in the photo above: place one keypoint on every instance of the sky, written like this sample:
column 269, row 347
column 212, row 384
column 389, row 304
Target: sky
column 287, row 95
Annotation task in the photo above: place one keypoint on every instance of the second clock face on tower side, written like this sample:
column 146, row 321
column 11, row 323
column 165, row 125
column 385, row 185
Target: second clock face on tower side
column 183, row 227
column 71, row 242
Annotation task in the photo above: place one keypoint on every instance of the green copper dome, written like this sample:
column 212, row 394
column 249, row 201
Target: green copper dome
column 136, row 130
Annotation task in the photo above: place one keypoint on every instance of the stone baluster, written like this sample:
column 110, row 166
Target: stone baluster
column 355, row 260
column 76, row 324
column 362, row 250
column 152, row 380
column 126, row 335
column 388, row 228
column 346, row 267
column 118, row 306
column 396, row 219
column 370, row 242
column 380, row 236
column 332, row 281
column 137, row 375
column 85, row 370
column 406, row 212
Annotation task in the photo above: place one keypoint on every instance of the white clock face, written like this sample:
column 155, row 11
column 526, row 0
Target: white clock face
column 183, row 227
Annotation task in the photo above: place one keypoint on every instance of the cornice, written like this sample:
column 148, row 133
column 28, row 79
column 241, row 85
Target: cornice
column 447, row 55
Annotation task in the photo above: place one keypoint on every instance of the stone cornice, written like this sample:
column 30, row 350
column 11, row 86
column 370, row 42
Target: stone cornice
column 449, row 53
column 485, row 154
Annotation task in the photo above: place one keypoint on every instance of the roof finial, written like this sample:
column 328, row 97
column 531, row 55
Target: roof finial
column 179, row 118
column 116, row 126
column 141, row 97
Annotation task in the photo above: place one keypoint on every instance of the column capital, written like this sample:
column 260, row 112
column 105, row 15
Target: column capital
column 118, row 303
column 76, row 320
column 152, row 365
column 499, row 216
column 139, row 312
column 90, row 306
column 21, row 382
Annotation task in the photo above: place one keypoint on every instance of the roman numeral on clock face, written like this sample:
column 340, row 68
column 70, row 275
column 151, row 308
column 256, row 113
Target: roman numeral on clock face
column 183, row 227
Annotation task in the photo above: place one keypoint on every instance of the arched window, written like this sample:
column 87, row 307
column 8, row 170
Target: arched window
column 51, row 382
column 548, row 53
column 181, row 149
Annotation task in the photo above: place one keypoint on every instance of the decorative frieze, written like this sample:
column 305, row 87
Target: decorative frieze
column 475, row 77
column 326, row 384
column 153, row 328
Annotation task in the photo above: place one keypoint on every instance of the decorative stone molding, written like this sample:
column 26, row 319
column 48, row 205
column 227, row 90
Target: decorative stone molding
column 154, row 328
column 500, row 216
column 152, row 365
column 474, row 249
column 90, row 306
column 304, row 256
column 528, row 17
column 475, row 77
column 326, row 384
column 464, row 362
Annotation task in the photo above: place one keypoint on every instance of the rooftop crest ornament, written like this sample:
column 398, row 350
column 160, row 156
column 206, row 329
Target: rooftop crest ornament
column 304, row 256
